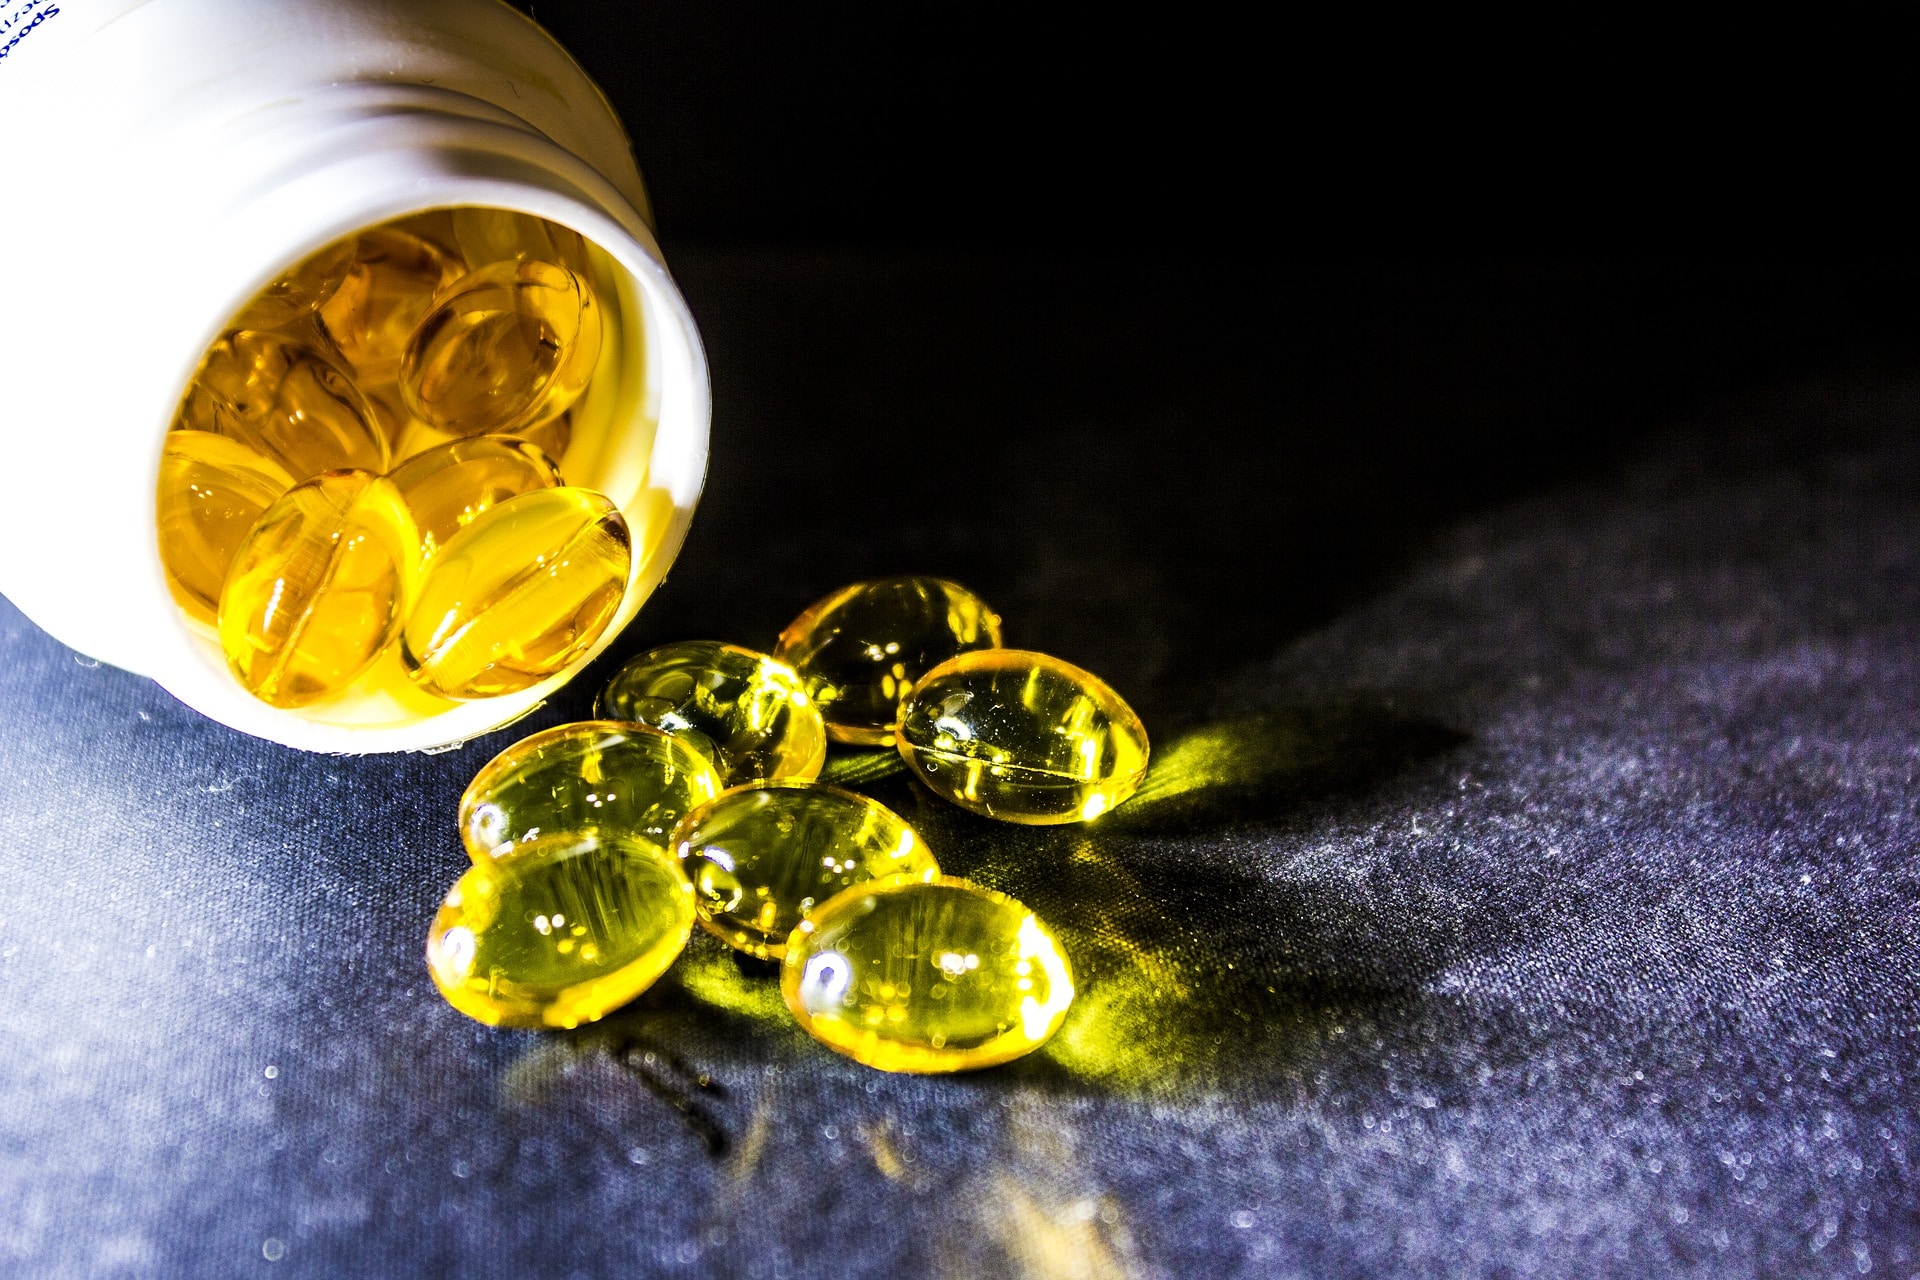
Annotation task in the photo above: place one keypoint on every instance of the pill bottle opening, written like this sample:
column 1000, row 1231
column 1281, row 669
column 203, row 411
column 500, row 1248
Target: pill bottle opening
column 630, row 426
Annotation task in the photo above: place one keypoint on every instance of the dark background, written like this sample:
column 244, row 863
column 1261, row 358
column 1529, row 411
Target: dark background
column 1484, row 453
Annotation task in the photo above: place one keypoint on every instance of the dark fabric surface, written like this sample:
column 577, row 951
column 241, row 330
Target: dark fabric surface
column 1526, row 883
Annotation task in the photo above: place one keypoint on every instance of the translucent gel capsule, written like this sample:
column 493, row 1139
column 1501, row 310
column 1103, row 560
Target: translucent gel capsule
column 388, row 286
column 505, row 347
column 519, row 594
column 761, row 857
column 1023, row 737
column 318, row 588
column 620, row 780
column 906, row 975
column 212, row 492
column 501, row 235
column 447, row 487
column 564, row 932
column 747, row 713
column 862, row 648
column 286, row 401
column 299, row 291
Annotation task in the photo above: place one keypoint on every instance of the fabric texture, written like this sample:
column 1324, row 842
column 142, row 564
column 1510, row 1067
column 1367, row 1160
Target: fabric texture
column 1526, row 883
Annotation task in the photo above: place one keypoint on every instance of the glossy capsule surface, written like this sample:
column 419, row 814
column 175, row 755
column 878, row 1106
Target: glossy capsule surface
column 761, row 857
column 504, row 347
column 298, row 292
column 213, row 490
column 1023, row 737
column 862, row 648
column 519, row 594
column 447, row 487
column 568, row 929
column 592, row 776
column 501, row 235
column 906, row 975
column 744, row 711
column 318, row 588
column 389, row 284
column 287, row 402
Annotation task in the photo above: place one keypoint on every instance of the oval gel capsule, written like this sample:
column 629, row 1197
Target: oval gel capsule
column 760, row 857
column 448, row 487
column 567, row 930
column 504, row 347
column 1023, row 737
column 388, row 286
column 287, row 402
column 318, row 588
column 518, row 595
column 862, row 648
column 907, row 975
column 213, row 490
column 594, row 775
column 746, row 712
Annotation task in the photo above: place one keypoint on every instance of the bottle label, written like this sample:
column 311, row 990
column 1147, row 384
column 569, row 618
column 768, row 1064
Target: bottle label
column 20, row 20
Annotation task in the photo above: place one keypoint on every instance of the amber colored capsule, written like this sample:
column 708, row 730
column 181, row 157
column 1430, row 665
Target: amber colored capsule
column 298, row 292
column 744, row 711
column 287, row 402
column 213, row 490
column 910, row 975
column 762, row 856
column 318, row 588
column 623, row 780
column 448, row 487
column 1023, row 737
column 517, row 595
column 566, row 931
column 504, row 347
column 501, row 235
column 388, row 287
column 862, row 648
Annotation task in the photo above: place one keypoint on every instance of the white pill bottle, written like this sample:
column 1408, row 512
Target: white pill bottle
column 162, row 161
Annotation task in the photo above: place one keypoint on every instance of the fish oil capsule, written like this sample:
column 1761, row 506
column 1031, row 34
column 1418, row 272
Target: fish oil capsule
column 519, row 594
column 504, row 347
column 622, row 780
column 906, row 975
column 298, row 292
column 388, row 286
column 446, row 488
column 761, row 857
column 862, row 648
column 318, row 588
column 745, row 712
column 567, row 930
column 286, row 401
column 213, row 490
column 501, row 235
column 1023, row 737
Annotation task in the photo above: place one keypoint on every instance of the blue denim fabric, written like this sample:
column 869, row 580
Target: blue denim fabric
column 1547, row 906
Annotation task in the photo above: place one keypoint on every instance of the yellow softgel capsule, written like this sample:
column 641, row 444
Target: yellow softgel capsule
column 624, row 780
column 501, row 235
column 318, row 588
column 503, row 348
column 744, row 711
column 286, row 401
column 299, row 291
column 519, row 594
column 761, row 857
column 1023, row 737
column 862, row 648
column 911, row 975
column 567, row 930
column 213, row 490
column 447, row 487
column 389, row 284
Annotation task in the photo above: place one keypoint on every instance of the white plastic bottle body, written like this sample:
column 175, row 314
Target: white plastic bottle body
column 161, row 161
